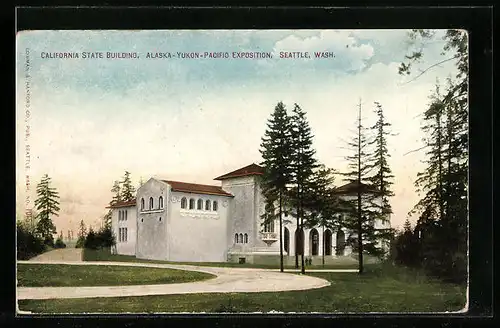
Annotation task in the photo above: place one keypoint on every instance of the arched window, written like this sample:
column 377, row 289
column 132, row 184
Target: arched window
column 119, row 215
column 191, row 204
column 151, row 203
column 214, row 207
column 200, row 204
column 125, row 212
column 235, row 238
column 241, row 237
column 183, row 202
column 246, row 239
column 142, row 204
column 160, row 202
column 207, row 205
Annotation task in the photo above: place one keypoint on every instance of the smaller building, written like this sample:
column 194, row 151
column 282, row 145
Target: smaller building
column 124, row 227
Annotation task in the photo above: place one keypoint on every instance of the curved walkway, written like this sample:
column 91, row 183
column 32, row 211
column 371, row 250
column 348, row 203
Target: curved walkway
column 228, row 280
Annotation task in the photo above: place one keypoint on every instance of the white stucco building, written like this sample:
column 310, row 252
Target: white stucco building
column 179, row 221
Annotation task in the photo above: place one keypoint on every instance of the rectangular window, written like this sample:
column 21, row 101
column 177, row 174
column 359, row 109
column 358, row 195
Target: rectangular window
column 125, row 233
column 119, row 234
column 126, row 215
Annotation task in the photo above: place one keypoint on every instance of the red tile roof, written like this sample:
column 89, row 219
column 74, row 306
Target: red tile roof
column 252, row 169
column 352, row 188
column 131, row 202
column 197, row 188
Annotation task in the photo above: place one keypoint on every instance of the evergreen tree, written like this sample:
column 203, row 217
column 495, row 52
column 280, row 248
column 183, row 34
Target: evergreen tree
column 82, row 233
column 323, row 204
column 127, row 190
column 107, row 219
column 47, row 203
column 407, row 246
column 276, row 152
column 116, row 190
column 381, row 179
column 442, row 224
column 141, row 182
column 360, row 218
column 303, row 164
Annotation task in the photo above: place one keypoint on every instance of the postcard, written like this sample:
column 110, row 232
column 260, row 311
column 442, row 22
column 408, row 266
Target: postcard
column 242, row 171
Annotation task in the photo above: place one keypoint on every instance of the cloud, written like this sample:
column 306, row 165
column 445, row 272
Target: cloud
column 349, row 54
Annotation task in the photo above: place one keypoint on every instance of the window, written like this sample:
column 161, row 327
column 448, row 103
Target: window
column 191, row 204
column 214, row 207
column 183, row 202
column 142, row 204
column 122, row 234
column 160, row 219
column 207, row 205
column 246, row 239
column 235, row 238
column 151, row 203
column 119, row 215
column 269, row 227
column 160, row 202
column 241, row 238
column 200, row 204
column 125, row 215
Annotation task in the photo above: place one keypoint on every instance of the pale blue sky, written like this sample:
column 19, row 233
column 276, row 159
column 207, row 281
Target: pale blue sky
column 195, row 119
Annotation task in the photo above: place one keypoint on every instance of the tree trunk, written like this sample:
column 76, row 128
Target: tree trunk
column 323, row 236
column 281, row 235
column 360, row 223
column 297, row 239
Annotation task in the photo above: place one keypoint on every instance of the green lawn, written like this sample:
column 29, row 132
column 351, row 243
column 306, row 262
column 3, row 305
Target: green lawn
column 105, row 255
column 378, row 290
column 58, row 275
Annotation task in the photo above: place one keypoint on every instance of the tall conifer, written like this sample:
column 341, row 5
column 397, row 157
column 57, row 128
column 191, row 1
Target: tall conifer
column 276, row 152
column 303, row 165
column 47, row 205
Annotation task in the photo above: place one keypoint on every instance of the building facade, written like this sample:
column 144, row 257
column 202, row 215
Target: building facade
column 178, row 221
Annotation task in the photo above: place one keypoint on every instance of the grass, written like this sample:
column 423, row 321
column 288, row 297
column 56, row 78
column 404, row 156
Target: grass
column 105, row 255
column 380, row 289
column 59, row 275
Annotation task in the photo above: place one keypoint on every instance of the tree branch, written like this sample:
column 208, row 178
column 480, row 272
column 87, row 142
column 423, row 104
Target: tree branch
column 428, row 68
column 415, row 150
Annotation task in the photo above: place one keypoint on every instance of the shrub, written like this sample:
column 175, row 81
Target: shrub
column 59, row 243
column 104, row 238
column 80, row 242
column 28, row 244
column 91, row 240
column 49, row 241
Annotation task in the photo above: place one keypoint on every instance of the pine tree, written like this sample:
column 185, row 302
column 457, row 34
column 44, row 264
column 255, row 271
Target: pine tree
column 442, row 224
column 127, row 190
column 275, row 151
column 141, row 182
column 360, row 216
column 303, row 164
column 47, row 203
column 82, row 234
column 116, row 190
column 381, row 179
column 323, row 203
column 107, row 219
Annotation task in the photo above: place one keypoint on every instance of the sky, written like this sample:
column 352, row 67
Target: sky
column 188, row 119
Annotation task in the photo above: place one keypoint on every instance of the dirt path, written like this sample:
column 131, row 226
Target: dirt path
column 58, row 255
column 228, row 280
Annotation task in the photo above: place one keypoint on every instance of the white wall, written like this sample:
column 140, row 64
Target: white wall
column 152, row 240
column 128, row 247
column 197, row 235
